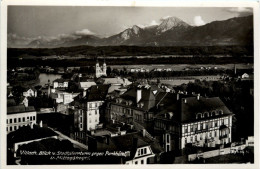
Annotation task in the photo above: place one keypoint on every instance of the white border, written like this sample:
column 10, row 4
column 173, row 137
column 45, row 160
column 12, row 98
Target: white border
column 134, row 3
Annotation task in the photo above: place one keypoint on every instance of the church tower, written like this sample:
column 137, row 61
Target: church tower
column 101, row 70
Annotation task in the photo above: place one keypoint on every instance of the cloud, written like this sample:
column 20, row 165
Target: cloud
column 241, row 11
column 84, row 32
column 153, row 23
column 198, row 21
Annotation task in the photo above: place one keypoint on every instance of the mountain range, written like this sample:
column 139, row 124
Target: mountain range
column 171, row 32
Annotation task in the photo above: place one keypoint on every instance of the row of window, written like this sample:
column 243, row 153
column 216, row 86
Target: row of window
column 202, row 126
column 200, row 137
column 13, row 128
column 142, row 151
column 20, row 119
column 209, row 114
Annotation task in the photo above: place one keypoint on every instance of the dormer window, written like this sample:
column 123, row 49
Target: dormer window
column 206, row 114
column 198, row 116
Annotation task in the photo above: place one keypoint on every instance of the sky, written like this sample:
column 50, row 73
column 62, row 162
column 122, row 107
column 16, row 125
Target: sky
column 53, row 22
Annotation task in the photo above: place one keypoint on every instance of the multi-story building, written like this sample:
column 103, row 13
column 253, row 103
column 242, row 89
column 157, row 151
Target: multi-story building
column 137, row 105
column 101, row 70
column 87, row 107
column 196, row 121
column 60, row 83
column 18, row 116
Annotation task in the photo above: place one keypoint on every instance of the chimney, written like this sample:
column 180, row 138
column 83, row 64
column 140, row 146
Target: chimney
column 144, row 132
column 40, row 124
column 139, row 95
column 198, row 97
column 178, row 96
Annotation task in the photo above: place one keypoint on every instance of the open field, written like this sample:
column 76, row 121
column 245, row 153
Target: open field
column 179, row 67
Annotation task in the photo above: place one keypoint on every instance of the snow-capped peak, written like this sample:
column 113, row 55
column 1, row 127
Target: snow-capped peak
column 171, row 22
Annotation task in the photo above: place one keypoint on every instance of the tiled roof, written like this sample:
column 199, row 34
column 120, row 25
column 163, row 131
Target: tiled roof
column 25, row 133
column 19, row 109
column 97, row 92
column 194, row 106
column 130, row 142
column 148, row 97
column 185, row 111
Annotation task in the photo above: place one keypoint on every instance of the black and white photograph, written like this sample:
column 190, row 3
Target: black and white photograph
column 129, row 85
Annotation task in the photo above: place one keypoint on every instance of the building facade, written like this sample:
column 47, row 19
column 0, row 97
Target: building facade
column 88, row 106
column 18, row 116
column 194, row 121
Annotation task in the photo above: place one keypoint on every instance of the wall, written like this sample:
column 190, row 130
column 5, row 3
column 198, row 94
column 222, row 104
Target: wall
column 217, row 152
column 22, row 119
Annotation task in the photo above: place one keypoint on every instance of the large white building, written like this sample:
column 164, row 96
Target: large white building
column 87, row 107
column 18, row 116
column 196, row 121
column 101, row 70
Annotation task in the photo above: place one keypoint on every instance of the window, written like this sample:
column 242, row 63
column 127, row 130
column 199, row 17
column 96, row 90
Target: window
column 167, row 138
column 11, row 121
column 7, row 121
column 215, row 133
column 191, row 128
column 145, row 151
column 11, row 128
column 186, row 129
column 30, row 118
column 216, row 123
column 142, row 151
column 14, row 120
column 142, row 161
column 196, row 138
column 201, row 126
column 136, row 162
column 222, row 122
column 23, row 119
column 15, row 127
column 139, row 152
column 191, row 139
column 33, row 117
column 185, row 140
column 19, row 119
column 96, row 112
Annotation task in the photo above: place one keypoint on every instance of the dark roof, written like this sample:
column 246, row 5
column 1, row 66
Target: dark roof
column 148, row 98
column 130, row 142
column 11, row 101
column 97, row 92
column 194, row 106
column 60, row 80
column 94, row 93
column 25, row 133
column 19, row 109
column 182, row 112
